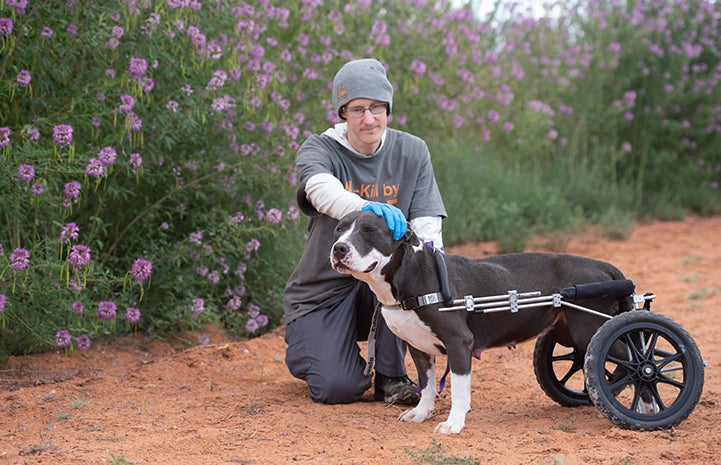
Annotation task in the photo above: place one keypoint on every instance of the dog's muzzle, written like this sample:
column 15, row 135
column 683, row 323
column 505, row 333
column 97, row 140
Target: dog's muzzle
column 343, row 259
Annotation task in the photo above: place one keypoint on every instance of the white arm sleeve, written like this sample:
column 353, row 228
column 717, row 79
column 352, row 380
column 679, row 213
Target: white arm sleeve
column 329, row 197
column 429, row 229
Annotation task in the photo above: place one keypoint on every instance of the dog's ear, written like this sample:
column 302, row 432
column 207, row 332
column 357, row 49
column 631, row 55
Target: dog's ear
column 411, row 238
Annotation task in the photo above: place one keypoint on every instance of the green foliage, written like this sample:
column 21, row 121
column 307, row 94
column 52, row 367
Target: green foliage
column 434, row 455
column 486, row 201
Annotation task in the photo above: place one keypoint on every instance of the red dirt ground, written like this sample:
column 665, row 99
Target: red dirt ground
column 143, row 401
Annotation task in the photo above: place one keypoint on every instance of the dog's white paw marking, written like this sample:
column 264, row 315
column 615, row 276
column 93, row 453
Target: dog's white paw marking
column 448, row 427
column 415, row 415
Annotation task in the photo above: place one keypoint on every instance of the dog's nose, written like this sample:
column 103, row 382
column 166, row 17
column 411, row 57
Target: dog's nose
column 340, row 250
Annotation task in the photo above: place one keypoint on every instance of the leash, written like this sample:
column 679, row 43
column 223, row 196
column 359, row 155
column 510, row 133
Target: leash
column 370, row 363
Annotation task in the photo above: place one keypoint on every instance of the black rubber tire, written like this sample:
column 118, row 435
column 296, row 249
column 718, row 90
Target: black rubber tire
column 568, row 363
column 660, row 369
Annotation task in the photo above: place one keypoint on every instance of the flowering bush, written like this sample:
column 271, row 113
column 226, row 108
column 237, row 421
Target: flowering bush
column 147, row 148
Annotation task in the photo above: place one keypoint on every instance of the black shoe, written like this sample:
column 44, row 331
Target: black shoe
column 398, row 390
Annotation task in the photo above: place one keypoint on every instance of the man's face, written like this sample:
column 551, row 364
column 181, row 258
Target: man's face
column 365, row 131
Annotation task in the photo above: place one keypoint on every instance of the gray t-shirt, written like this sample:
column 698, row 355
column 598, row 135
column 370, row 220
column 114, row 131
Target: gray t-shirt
column 400, row 174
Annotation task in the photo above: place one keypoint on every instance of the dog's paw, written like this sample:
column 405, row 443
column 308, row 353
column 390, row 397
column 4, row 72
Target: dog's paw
column 447, row 427
column 415, row 415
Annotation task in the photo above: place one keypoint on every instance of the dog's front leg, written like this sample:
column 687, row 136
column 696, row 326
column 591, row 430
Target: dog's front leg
column 459, row 356
column 426, row 368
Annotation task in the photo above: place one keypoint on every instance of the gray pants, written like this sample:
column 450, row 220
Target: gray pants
column 323, row 349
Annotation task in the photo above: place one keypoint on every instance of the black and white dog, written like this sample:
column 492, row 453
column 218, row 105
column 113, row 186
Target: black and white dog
column 402, row 272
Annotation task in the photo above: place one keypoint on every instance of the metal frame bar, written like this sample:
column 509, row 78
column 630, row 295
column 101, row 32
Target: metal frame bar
column 514, row 301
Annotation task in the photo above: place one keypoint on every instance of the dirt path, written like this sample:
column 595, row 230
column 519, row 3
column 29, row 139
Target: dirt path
column 147, row 402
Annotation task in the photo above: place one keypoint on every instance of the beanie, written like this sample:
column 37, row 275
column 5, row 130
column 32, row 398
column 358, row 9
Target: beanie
column 364, row 78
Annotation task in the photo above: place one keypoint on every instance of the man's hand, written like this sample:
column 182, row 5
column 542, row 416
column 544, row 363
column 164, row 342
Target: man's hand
column 395, row 220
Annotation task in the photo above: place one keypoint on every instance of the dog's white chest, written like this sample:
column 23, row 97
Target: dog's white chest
column 407, row 326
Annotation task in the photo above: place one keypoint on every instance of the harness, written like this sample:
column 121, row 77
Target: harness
column 412, row 303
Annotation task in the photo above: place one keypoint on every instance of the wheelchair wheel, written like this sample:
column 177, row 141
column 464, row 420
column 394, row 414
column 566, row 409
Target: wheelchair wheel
column 559, row 371
column 643, row 371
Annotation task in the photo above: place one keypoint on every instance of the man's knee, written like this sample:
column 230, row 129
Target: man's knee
column 337, row 389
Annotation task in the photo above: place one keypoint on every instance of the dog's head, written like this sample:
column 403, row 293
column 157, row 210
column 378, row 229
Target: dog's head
column 363, row 246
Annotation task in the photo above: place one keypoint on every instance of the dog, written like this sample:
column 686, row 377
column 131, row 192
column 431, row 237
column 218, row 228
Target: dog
column 402, row 272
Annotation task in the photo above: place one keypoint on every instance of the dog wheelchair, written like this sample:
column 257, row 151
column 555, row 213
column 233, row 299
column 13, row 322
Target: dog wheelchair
column 642, row 370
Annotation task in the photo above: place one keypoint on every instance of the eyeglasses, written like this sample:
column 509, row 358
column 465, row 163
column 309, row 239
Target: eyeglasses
column 359, row 112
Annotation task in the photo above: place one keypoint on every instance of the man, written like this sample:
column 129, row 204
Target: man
column 360, row 164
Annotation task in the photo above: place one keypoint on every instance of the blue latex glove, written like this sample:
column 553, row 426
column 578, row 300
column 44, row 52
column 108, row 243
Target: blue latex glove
column 395, row 220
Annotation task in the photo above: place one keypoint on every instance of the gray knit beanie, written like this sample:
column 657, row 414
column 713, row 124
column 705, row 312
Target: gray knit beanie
column 364, row 78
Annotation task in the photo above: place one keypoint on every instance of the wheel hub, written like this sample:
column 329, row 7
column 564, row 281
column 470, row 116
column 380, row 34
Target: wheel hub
column 647, row 371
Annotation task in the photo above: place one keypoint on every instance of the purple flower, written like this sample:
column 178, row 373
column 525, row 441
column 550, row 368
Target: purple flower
column 6, row 26
column 19, row 259
column 214, row 277
column 418, row 68
column 136, row 160
column 172, row 105
column 37, row 188
column 3, row 301
column 253, row 311
column 68, row 233
column 142, row 269
column 26, row 172
column 234, row 303
column 82, row 343
column 96, row 168
column 138, row 66
column 197, row 306
column 262, row 320
column 107, row 155
column 252, row 325
column 118, row 32
column 78, row 307
column 63, row 135
column 75, row 286
column 274, row 215
column 196, row 237
column 23, row 78
column 493, row 116
column 4, row 137
column 72, row 190
column 252, row 245
column 19, row 5
column 133, row 122
column 132, row 315
column 63, row 338
column 127, row 102
column 33, row 134
column 79, row 255
column 107, row 310
column 46, row 32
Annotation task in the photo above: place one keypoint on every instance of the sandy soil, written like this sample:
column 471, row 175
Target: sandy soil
column 149, row 402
